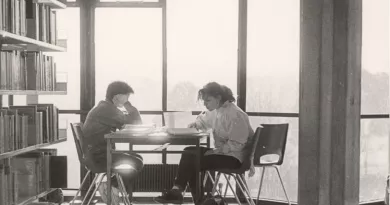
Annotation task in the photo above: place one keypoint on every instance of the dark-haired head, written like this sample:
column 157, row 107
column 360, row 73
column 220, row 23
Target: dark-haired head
column 214, row 95
column 118, row 88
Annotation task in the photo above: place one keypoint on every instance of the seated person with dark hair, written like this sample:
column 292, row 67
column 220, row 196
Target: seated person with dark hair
column 232, row 133
column 104, row 118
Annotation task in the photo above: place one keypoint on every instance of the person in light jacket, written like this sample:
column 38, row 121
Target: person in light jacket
column 231, row 131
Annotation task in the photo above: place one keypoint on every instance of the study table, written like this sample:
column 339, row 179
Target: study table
column 155, row 137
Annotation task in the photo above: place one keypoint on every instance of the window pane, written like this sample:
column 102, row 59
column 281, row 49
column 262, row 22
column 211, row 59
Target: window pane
column 273, row 56
column 202, row 47
column 289, row 170
column 5, row 100
column 148, row 119
column 129, row 48
column 20, row 100
column 375, row 57
column 68, row 27
column 374, row 160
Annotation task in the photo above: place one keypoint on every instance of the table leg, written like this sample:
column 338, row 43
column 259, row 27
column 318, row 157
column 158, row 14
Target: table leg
column 109, row 164
column 198, row 178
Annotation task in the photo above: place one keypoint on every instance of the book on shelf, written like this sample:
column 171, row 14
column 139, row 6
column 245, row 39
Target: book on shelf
column 29, row 18
column 28, row 175
column 27, row 71
column 28, row 125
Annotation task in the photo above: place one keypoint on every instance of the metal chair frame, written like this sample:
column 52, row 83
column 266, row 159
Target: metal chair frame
column 98, row 176
column 240, row 178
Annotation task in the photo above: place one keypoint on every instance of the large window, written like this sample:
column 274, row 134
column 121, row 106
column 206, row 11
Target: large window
column 374, row 142
column 273, row 83
column 375, row 57
column 273, row 56
column 202, row 47
column 129, row 48
column 374, row 148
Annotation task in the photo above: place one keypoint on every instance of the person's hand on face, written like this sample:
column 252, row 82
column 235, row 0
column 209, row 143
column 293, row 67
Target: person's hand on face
column 115, row 101
column 120, row 99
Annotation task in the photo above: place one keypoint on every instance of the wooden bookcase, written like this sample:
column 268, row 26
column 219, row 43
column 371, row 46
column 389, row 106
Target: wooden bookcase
column 15, row 37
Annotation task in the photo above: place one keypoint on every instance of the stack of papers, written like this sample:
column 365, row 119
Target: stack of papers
column 144, row 128
column 182, row 131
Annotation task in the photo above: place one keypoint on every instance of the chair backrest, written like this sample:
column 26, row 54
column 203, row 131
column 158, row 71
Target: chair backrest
column 250, row 150
column 78, row 139
column 271, row 142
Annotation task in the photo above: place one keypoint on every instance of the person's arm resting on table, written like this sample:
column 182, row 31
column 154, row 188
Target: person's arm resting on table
column 204, row 121
column 113, row 117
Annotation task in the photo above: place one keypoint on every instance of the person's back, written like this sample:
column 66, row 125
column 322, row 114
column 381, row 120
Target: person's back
column 105, row 118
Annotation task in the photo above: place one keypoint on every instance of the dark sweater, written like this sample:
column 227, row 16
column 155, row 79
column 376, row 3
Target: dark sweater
column 103, row 119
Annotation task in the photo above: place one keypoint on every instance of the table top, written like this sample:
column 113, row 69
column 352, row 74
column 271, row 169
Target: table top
column 125, row 134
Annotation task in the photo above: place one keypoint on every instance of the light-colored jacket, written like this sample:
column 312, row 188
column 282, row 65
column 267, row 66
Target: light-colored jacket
column 231, row 130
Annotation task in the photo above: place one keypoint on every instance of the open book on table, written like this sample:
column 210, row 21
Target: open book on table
column 142, row 128
column 182, row 131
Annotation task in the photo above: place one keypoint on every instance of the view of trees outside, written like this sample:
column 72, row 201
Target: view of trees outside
column 374, row 133
column 129, row 48
column 202, row 47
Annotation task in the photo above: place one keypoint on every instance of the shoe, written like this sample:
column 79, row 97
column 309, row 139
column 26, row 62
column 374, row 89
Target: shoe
column 173, row 196
column 115, row 199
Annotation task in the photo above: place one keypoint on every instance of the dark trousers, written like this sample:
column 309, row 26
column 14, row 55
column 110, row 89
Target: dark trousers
column 187, row 166
column 98, row 164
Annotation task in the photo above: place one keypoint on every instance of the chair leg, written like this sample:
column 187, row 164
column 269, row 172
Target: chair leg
column 231, row 188
column 96, row 187
column 261, row 184
column 90, row 188
column 206, row 175
column 226, row 187
column 281, row 182
column 215, row 184
column 123, row 190
column 81, row 185
column 243, row 179
column 244, row 188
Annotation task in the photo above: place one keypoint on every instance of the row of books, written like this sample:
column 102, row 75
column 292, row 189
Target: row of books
column 27, row 71
column 25, row 176
column 23, row 126
column 28, row 18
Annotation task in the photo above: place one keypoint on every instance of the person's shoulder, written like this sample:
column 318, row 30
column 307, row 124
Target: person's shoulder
column 233, row 111
column 104, row 106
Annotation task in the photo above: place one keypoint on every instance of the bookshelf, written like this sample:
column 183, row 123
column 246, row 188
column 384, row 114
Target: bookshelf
column 12, row 41
column 53, row 4
column 28, row 29
column 29, row 149
column 33, row 198
column 31, row 92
